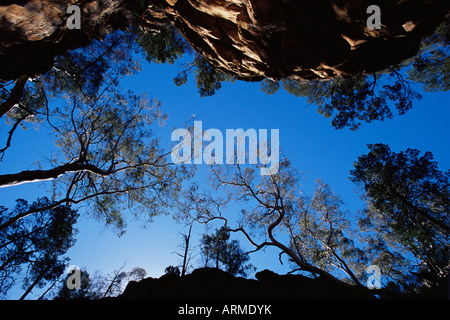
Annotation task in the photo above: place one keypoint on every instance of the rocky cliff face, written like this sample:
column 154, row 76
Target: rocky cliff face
column 33, row 32
column 252, row 39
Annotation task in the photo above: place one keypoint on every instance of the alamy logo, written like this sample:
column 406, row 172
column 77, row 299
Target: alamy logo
column 235, row 150
column 374, row 21
column 74, row 21
column 374, row 280
column 74, row 279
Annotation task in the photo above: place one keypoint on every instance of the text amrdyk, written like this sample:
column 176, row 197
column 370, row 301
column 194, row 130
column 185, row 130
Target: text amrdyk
column 235, row 147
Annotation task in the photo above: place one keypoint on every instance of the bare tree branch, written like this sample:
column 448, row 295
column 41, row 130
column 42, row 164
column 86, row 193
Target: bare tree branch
column 15, row 96
column 10, row 134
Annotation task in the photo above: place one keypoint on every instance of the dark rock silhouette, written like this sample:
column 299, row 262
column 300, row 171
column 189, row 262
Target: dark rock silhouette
column 215, row 284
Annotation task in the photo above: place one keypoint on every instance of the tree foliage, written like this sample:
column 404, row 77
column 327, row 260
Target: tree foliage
column 173, row 270
column 319, row 241
column 431, row 66
column 408, row 206
column 351, row 101
column 85, row 291
column 207, row 77
column 162, row 46
column 403, row 230
column 220, row 250
column 108, row 155
column 34, row 247
column 109, row 158
column 98, row 285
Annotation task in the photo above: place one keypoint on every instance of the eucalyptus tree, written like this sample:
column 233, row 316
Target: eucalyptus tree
column 108, row 155
column 407, row 211
column 109, row 158
column 218, row 250
column 33, row 250
column 319, row 235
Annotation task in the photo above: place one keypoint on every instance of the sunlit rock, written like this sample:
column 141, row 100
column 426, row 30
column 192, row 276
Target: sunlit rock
column 252, row 39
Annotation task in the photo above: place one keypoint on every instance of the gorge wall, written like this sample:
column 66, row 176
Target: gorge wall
column 215, row 284
column 252, row 39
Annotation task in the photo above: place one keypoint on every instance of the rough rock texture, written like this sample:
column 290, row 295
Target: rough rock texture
column 33, row 32
column 253, row 39
column 315, row 39
column 214, row 284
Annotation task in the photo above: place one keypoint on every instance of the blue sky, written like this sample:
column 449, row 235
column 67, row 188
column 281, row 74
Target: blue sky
column 306, row 137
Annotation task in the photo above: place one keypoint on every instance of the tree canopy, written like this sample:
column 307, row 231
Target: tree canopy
column 408, row 201
column 34, row 247
column 349, row 101
column 218, row 249
column 108, row 153
column 403, row 229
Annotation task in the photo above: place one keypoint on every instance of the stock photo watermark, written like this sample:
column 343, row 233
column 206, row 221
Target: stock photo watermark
column 74, row 279
column 374, row 280
column 74, row 20
column 374, row 21
column 191, row 149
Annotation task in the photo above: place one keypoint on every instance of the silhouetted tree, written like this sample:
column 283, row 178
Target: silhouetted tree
column 408, row 205
column 35, row 246
column 172, row 270
column 350, row 101
column 99, row 285
column 108, row 155
column 110, row 159
column 431, row 66
column 214, row 246
column 187, row 254
column 221, row 251
column 163, row 46
column 113, row 284
column 207, row 77
column 322, row 240
column 318, row 242
column 85, row 292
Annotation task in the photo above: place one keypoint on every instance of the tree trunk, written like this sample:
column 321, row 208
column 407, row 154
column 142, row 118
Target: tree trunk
column 48, row 289
column 419, row 211
column 217, row 259
column 186, row 251
column 22, row 215
column 35, row 282
column 8, row 180
column 15, row 96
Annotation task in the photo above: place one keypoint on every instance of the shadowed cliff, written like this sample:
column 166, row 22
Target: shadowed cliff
column 251, row 39
column 215, row 284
